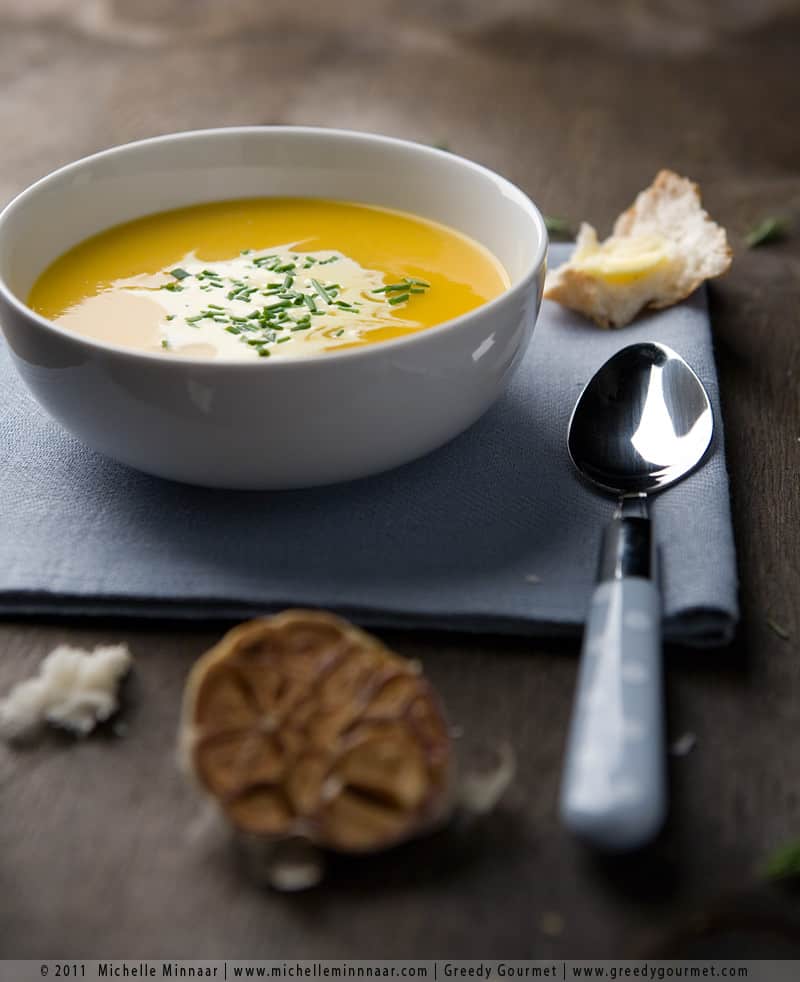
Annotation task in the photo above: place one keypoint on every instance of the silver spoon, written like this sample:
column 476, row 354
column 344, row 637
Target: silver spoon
column 641, row 424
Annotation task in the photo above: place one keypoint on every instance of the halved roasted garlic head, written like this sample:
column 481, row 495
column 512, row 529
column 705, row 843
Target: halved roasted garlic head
column 303, row 725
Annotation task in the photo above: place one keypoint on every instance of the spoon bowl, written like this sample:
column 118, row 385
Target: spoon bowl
column 643, row 421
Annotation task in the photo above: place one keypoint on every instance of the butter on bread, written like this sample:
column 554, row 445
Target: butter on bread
column 662, row 248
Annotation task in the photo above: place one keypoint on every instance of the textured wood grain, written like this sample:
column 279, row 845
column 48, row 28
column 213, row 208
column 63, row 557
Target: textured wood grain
column 104, row 851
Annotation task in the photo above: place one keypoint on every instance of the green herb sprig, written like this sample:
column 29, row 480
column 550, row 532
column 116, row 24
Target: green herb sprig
column 783, row 863
column 778, row 629
column 560, row 228
column 771, row 229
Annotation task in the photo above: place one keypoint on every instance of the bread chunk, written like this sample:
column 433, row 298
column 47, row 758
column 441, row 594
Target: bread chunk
column 662, row 248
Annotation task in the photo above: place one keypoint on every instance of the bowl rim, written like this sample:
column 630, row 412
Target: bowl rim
column 373, row 350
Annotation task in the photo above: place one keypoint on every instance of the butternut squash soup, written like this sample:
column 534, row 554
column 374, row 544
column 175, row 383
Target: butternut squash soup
column 266, row 277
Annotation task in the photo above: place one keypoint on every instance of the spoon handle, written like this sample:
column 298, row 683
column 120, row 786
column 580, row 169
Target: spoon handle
column 614, row 790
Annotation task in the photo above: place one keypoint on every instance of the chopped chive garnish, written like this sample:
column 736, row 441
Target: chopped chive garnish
column 778, row 629
column 556, row 226
column 262, row 326
column 391, row 288
column 402, row 291
column 321, row 290
column 769, row 230
column 784, row 863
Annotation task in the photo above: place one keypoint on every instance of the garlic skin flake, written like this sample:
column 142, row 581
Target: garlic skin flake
column 73, row 689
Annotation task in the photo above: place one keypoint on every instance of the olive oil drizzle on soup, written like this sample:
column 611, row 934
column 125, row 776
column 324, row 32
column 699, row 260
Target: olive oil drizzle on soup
column 266, row 278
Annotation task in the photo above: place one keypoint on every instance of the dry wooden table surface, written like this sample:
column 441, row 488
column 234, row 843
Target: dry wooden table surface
column 103, row 852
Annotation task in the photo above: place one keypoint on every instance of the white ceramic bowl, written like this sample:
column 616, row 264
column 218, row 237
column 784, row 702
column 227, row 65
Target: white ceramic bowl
column 278, row 424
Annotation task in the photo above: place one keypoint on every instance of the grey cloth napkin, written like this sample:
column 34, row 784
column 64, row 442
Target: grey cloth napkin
column 494, row 532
